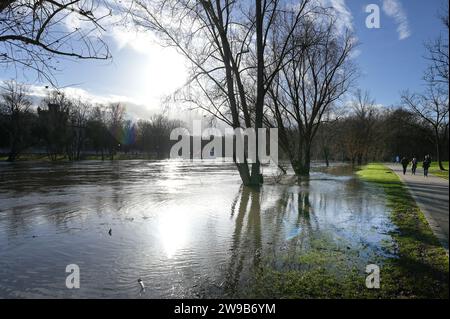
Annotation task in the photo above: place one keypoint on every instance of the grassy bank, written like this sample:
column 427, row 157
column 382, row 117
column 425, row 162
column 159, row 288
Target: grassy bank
column 434, row 169
column 422, row 267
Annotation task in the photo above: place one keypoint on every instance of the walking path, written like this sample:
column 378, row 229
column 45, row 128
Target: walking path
column 431, row 195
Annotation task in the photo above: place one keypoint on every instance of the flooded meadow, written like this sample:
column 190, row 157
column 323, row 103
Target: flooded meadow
column 187, row 230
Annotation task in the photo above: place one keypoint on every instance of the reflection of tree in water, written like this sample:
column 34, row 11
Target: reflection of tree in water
column 302, row 227
column 246, row 242
column 261, row 237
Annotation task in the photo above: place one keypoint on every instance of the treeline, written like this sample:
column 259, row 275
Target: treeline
column 379, row 135
column 71, row 128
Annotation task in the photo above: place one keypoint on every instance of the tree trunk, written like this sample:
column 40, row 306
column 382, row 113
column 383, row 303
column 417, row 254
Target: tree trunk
column 438, row 150
column 256, row 177
column 360, row 159
column 302, row 164
column 325, row 155
column 244, row 173
column 13, row 152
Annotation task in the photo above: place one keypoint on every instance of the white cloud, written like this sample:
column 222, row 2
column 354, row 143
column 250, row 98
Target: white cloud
column 135, row 110
column 339, row 9
column 394, row 9
column 344, row 19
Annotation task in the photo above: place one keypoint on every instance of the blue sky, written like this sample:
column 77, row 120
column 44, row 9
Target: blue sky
column 142, row 73
column 388, row 64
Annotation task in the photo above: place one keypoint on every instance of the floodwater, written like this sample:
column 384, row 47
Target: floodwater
column 188, row 230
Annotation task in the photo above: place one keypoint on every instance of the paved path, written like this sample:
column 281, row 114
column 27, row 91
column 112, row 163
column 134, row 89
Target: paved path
column 431, row 195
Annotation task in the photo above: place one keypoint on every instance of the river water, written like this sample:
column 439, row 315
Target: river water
column 188, row 230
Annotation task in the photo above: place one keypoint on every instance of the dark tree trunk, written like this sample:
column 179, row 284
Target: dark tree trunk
column 360, row 159
column 325, row 155
column 302, row 164
column 438, row 150
column 13, row 151
column 244, row 173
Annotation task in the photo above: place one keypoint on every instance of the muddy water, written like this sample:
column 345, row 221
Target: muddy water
column 186, row 229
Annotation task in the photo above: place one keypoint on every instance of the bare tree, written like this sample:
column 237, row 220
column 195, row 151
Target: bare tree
column 432, row 107
column 225, row 42
column 14, row 107
column 437, row 54
column 154, row 135
column 314, row 76
column 78, row 117
column 364, row 121
column 54, row 127
column 34, row 32
column 325, row 137
column 97, row 130
column 115, row 121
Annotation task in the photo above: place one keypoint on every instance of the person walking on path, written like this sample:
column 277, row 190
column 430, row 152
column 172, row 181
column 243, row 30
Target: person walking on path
column 404, row 163
column 431, row 194
column 426, row 165
column 414, row 165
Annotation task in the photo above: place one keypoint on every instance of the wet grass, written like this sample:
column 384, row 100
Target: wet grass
column 434, row 170
column 326, row 269
column 422, row 269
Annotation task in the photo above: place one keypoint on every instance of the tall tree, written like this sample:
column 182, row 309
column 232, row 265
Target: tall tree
column 78, row 117
column 115, row 121
column 364, row 114
column 432, row 107
column 97, row 132
column 225, row 42
column 437, row 53
column 54, row 128
column 314, row 75
column 15, row 112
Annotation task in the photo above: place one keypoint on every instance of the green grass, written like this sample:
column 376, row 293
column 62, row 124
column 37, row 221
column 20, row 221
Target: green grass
column 434, row 170
column 324, row 270
column 422, row 269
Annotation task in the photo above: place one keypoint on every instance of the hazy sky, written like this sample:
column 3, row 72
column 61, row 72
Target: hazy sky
column 141, row 72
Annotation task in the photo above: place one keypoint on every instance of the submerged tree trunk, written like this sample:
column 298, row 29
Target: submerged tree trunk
column 253, row 178
column 244, row 173
column 302, row 163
